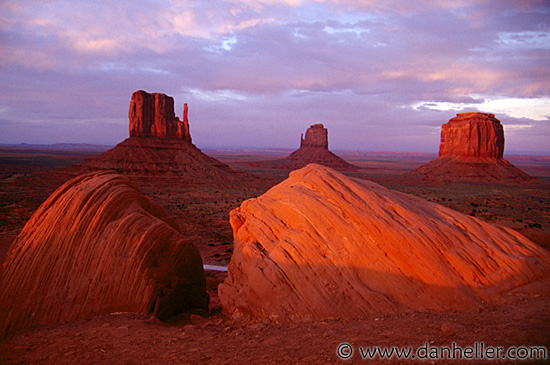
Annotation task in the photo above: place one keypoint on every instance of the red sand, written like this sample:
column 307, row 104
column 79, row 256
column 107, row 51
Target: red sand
column 203, row 212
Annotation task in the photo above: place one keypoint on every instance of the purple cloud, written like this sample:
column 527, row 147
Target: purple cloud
column 378, row 74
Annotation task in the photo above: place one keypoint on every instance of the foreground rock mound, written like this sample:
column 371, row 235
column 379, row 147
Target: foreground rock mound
column 160, row 145
column 313, row 149
column 98, row 246
column 322, row 245
column 471, row 149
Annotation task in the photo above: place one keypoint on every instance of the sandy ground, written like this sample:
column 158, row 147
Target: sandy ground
column 202, row 213
column 134, row 339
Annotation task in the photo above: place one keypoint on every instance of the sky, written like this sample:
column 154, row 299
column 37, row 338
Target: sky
column 379, row 74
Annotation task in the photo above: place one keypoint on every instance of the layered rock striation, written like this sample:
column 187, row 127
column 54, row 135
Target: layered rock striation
column 313, row 149
column 167, row 158
column 472, row 135
column 97, row 246
column 160, row 145
column 322, row 245
column 471, row 149
column 152, row 115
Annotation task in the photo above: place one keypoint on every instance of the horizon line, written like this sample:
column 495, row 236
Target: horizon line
column 228, row 148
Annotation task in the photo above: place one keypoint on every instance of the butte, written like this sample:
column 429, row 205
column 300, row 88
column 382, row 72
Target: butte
column 323, row 245
column 471, row 149
column 160, row 145
column 313, row 149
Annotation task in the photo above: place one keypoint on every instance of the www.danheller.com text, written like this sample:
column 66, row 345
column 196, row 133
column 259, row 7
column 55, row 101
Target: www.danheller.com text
column 477, row 351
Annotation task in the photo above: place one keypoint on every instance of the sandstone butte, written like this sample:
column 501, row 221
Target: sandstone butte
column 472, row 147
column 97, row 246
column 159, row 144
column 323, row 245
column 152, row 115
column 313, row 149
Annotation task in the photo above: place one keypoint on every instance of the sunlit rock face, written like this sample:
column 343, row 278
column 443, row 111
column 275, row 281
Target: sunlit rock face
column 472, row 135
column 322, row 245
column 152, row 115
column 97, row 246
column 471, row 149
column 160, row 145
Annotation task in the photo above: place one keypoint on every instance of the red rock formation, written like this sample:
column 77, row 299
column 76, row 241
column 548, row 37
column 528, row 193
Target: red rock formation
column 98, row 246
column 152, row 115
column 313, row 149
column 160, row 145
column 471, row 149
column 186, row 135
column 476, row 169
column 316, row 136
column 163, row 158
column 322, row 245
column 307, row 154
column 472, row 135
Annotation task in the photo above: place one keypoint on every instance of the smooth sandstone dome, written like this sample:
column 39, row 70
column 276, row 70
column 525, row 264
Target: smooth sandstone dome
column 322, row 245
column 98, row 246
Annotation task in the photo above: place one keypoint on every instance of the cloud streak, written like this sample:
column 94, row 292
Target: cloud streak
column 379, row 74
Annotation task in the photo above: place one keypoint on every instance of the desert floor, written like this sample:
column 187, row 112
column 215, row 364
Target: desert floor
column 29, row 175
